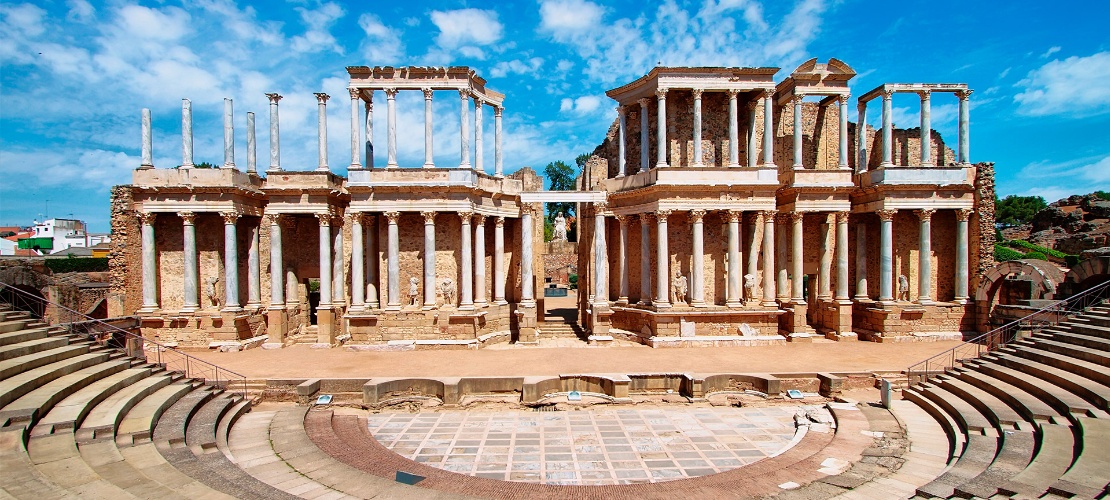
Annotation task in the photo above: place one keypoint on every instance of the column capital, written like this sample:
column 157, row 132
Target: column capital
column 599, row 206
column 661, row 215
column 464, row 94
column 321, row 97
column 732, row 215
column 355, row 217
column 645, row 219
column 924, row 94
column 732, row 93
column 752, row 217
column 768, row 215
column 697, row 214
column 661, row 93
column 355, row 93
column 886, row 215
column 620, row 109
column 796, row 216
column 392, row 216
column 964, row 94
column 427, row 93
column 796, row 99
column 147, row 218
column 272, row 218
column 479, row 101
column 189, row 218
column 465, row 216
column 274, row 97
column 886, row 93
column 644, row 102
column 390, row 93
column 229, row 217
column 697, row 93
column 925, row 214
column 621, row 218
column 842, row 99
column 429, row 218
column 337, row 219
column 768, row 93
column 479, row 219
column 842, row 217
column 324, row 218
column 499, row 221
column 527, row 208
column 497, row 110
column 963, row 214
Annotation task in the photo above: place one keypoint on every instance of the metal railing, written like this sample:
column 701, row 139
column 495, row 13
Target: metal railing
column 109, row 333
column 1045, row 317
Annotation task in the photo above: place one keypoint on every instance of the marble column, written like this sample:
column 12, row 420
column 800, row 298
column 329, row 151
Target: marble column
column 393, row 271
column 480, row 260
column 229, row 134
column 663, row 260
column 369, row 139
column 356, row 160
column 479, row 161
column 861, row 137
column 466, row 266
column 797, row 102
column 275, row 141
column 289, row 224
column 843, row 158
column 464, row 129
column 498, row 167
column 824, row 264
column 499, row 261
column 621, row 131
column 189, row 258
column 861, row 262
column 751, row 250
column 644, row 126
column 391, row 127
column 753, row 136
column 697, row 267
column 842, row 256
column 661, row 144
column 782, row 258
column 277, row 269
column 732, row 298
column 150, row 262
column 886, row 255
column 231, row 262
column 338, row 290
column 148, row 142
column 322, row 131
column 961, row 292
column 325, row 260
column 797, row 254
column 888, row 129
column 769, row 128
column 358, row 262
column 254, row 268
column 527, row 285
column 697, row 128
column 926, row 128
column 963, row 145
column 429, row 162
column 622, row 259
column 733, row 131
column 925, row 256
column 372, row 261
column 429, row 259
column 186, row 134
column 769, row 258
column 252, row 145
column 645, row 260
column 601, row 257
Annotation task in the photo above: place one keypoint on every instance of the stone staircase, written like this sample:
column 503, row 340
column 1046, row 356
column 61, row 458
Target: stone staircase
column 1029, row 420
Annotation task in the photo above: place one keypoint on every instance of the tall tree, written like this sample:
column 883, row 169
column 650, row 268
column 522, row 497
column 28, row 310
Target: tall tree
column 580, row 160
column 561, row 177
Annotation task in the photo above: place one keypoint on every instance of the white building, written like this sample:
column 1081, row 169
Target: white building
column 65, row 233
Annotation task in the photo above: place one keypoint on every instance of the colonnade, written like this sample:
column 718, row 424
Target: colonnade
column 843, row 151
column 925, row 95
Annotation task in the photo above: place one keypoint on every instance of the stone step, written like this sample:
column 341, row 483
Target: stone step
column 56, row 456
column 1096, row 356
column 249, row 444
column 223, row 430
column 24, row 348
column 1013, row 370
column 106, row 460
column 969, row 418
column 976, row 457
column 924, row 461
column 31, row 406
column 23, row 335
column 1086, row 328
column 138, row 424
column 1014, row 455
column 71, row 411
column 20, row 478
column 1093, row 392
column 145, row 458
column 1055, row 452
column 169, row 432
column 1102, row 344
column 1094, row 317
column 1075, row 366
column 102, row 421
column 19, row 385
column 1026, row 404
column 12, row 367
column 956, row 437
column 200, row 436
column 999, row 413
column 16, row 324
column 1089, row 475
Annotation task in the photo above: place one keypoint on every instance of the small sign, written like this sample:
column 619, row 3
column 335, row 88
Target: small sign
column 406, row 478
column 794, row 394
column 574, row 396
column 324, row 399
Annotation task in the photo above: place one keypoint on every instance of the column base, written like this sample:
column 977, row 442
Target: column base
column 393, row 307
column 253, row 305
column 323, row 169
column 886, row 164
column 662, row 305
column 961, row 300
column 392, row 165
column 355, row 166
column 190, row 308
column 798, row 167
column 661, row 165
column 480, row 304
column 620, row 175
column 734, row 303
column 500, row 302
column 373, row 305
column 622, row 301
column 925, row 301
column 231, row 309
column 146, row 308
column 769, row 303
column 733, row 165
column 429, row 165
column 698, row 303
column 273, row 168
column 466, row 307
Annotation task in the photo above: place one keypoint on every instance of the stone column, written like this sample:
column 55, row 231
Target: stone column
column 697, row 127
column 753, row 138
column 601, row 256
column 150, row 263
column 843, row 101
column 663, row 260
column 189, row 256
column 886, row 253
column 356, row 160
column 148, row 142
column 275, row 141
column 466, row 287
column 358, row 261
column 277, row 287
column 322, row 132
column 961, row 295
column 527, row 286
column 391, row 127
column 372, row 262
column 480, row 260
column 861, row 137
column 782, row 256
column 888, row 130
column 229, row 134
column 369, row 129
column 752, row 248
column 231, row 262
column 325, row 260
column 861, row 262
column 769, row 258
column 498, row 168
column 797, row 255
column 842, row 256
column 429, row 162
column 429, row 259
column 338, row 293
column 926, row 128
column 768, row 128
column 644, row 103
column 479, row 162
column 732, row 298
column 697, row 271
column 393, row 278
column 824, row 266
column 963, row 144
column 925, row 256
column 797, row 102
column 645, row 259
column 252, row 145
column 661, row 133
column 621, row 160
column 733, row 131
column 499, row 261
column 254, row 268
column 622, row 258
column 186, row 133
column 464, row 129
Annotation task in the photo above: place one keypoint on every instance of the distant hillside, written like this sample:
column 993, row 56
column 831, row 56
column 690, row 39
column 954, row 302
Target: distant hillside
column 1067, row 227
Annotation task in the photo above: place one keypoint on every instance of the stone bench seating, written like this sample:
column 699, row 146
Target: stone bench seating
column 21, row 479
column 1061, row 400
column 101, row 421
column 19, row 322
column 981, row 443
column 1091, row 355
column 57, row 457
column 1089, row 476
column 1071, row 337
column 138, row 424
column 29, row 346
column 71, row 411
column 1026, row 404
column 36, row 403
column 1054, row 457
column 16, row 386
column 26, row 334
column 15, row 366
column 1093, row 392
column 997, row 412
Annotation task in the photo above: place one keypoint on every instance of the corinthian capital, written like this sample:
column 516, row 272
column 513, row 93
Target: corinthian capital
column 147, row 218
column 321, row 97
column 886, row 215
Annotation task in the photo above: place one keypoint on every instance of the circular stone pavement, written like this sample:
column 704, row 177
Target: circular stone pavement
column 589, row 447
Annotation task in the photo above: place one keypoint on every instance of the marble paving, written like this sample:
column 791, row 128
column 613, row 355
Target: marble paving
column 589, row 447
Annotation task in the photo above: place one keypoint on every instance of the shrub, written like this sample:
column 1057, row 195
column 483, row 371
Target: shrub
column 1035, row 255
column 573, row 279
column 1025, row 245
column 1002, row 253
column 78, row 264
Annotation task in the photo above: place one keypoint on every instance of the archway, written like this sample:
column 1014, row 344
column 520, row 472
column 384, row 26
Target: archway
column 1044, row 277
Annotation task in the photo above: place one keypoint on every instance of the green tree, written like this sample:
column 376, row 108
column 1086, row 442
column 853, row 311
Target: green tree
column 560, row 177
column 1015, row 210
column 580, row 160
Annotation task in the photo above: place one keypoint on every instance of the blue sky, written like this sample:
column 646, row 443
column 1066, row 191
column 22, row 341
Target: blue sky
column 75, row 74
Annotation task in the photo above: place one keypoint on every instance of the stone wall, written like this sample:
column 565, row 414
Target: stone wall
column 981, row 237
column 125, row 264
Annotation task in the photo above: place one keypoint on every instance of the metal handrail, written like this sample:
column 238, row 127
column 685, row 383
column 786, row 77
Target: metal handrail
column 1049, row 315
column 168, row 357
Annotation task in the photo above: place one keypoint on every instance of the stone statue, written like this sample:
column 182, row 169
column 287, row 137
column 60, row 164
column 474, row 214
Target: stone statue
column 414, row 291
column 560, row 228
column 903, row 287
column 447, row 289
column 749, row 286
column 678, row 289
column 212, row 291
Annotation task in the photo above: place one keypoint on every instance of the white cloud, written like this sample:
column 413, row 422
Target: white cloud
column 318, row 36
column 1075, row 86
column 1055, row 180
column 564, row 65
column 516, row 66
column 1050, row 51
column 382, row 44
column 26, row 18
column 564, row 18
column 466, row 31
column 584, row 105
column 80, row 11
